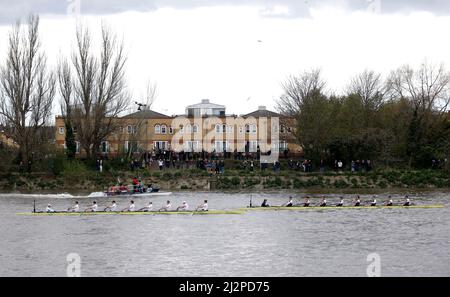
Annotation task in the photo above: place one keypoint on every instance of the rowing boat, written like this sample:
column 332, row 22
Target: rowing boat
column 173, row 212
column 340, row 207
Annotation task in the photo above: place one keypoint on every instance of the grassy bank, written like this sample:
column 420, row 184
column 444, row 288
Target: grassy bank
column 78, row 177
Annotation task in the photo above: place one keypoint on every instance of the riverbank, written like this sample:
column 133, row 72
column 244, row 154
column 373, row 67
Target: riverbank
column 233, row 180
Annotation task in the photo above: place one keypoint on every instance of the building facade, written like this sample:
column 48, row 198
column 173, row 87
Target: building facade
column 205, row 127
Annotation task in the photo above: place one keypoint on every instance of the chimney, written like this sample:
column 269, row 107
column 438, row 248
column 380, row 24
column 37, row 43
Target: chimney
column 261, row 107
column 205, row 101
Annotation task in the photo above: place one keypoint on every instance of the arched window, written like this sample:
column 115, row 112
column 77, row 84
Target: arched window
column 181, row 129
column 131, row 129
column 163, row 129
column 218, row 128
column 195, row 128
column 253, row 127
column 189, row 128
column 157, row 129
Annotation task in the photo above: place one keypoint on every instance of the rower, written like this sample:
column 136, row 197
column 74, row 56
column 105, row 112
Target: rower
column 167, row 207
column 203, row 207
column 407, row 202
column 184, row 206
column 324, row 202
column 358, row 201
column 149, row 207
column 265, row 204
column 129, row 208
column 289, row 203
column 93, row 207
column 306, row 204
column 341, row 202
column 74, row 208
column 111, row 207
column 390, row 202
column 49, row 208
column 374, row 201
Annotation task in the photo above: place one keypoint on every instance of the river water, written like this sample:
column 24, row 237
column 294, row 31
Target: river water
column 409, row 242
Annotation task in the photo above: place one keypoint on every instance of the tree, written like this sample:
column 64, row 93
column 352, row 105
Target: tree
column 98, row 92
column 27, row 89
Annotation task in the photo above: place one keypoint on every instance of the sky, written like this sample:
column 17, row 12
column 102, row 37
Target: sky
column 238, row 52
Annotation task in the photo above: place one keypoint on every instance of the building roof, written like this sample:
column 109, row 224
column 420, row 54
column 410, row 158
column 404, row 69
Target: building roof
column 205, row 104
column 146, row 114
column 262, row 112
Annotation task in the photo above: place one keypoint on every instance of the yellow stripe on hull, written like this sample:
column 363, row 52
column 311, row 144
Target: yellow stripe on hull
column 341, row 207
column 210, row 212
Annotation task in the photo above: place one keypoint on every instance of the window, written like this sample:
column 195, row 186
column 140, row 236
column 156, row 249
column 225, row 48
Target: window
column 161, row 145
column 77, row 144
column 195, row 128
column 131, row 129
column 163, row 129
column 105, row 147
column 221, row 146
column 74, row 130
column 181, row 129
column 130, row 146
column 170, row 130
column 157, row 129
column 229, row 128
column 241, row 129
column 280, row 145
column 247, row 128
column 253, row 128
column 191, row 146
column 224, row 128
column 282, row 129
column 61, row 130
column 218, row 128
column 253, row 146
column 189, row 128
column 275, row 128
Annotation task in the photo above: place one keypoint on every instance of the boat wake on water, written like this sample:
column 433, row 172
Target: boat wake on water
column 34, row 196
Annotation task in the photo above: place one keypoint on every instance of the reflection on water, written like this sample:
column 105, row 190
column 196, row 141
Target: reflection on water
column 273, row 243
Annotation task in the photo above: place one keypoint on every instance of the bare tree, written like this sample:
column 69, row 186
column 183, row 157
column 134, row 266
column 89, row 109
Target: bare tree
column 427, row 88
column 297, row 89
column 369, row 86
column 94, row 88
column 27, row 88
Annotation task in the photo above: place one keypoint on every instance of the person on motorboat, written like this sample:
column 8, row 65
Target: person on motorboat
column 341, row 201
column 265, row 204
column 74, row 208
column 149, row 207
column 93, row 207
column 111, row 207
column 123, row 189
column 49, row 208
column 183, row 206
column 203, row 207
column 167, row 207
column 323, row 202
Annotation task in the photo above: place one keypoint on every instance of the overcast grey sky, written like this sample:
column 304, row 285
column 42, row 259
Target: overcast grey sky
column 196, row 49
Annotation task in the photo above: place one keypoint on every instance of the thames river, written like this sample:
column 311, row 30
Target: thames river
column 406, row 242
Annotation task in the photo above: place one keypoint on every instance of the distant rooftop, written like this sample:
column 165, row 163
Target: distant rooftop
column 206, row 104
column 146, row 114
column 262, row 112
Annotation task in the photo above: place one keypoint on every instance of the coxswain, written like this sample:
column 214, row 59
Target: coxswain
column 149, row 207
column 49, row 208
column 204, row 206
column 167, row 207
column 131, row 207
column 74, row 208
column 111, row 207
column 289, row 203
column 265, row 204
column 323, row 202
column 358, row 201
column 183, row 206
column 93, row 207
column 341, row 202
column 407, row 202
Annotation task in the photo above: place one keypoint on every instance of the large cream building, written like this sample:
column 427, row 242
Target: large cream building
column 204, row 126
